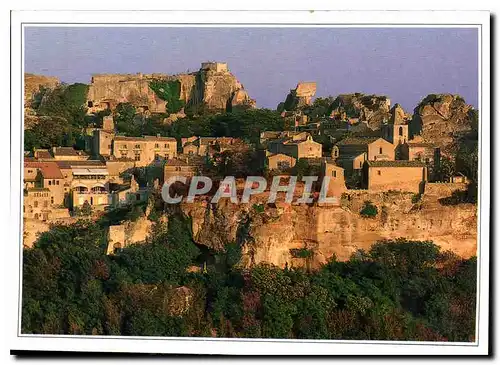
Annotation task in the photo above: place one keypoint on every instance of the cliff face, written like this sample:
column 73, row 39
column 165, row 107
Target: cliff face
column 268, row 236
column 214, row 89
column 372, row 109
column 33, row 84
column 441, row 119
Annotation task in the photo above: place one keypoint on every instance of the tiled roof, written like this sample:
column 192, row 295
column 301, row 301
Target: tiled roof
column 85, row 163
column 50, row 170
column 160, row 138
column 420, row 144
column 67, row 151
column 358, row 140
column 43, row 154
column 397, row 163
column 176, row 162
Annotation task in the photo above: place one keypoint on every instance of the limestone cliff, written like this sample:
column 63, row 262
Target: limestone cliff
column 212, row 87
column 33, row 85
column 442, row 118
column 372, row 109
column 299, row 97
column 268, row 235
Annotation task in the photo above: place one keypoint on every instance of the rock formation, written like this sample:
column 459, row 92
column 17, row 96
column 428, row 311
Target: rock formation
column 442, row 119
column 33, row 85
column 371, row 109
column 269, row 235
column 213, row 87
column 299, row 97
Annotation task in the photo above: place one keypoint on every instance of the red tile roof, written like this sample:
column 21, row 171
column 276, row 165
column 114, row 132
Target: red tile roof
column 49, row 170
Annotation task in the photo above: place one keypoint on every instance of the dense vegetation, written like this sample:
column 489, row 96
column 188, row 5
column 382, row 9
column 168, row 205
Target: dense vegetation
column 399, row 290
column 170, row 91
column 245, row 124
column 63, row 114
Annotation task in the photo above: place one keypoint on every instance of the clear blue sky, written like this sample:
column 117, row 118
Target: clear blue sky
column 405, row 64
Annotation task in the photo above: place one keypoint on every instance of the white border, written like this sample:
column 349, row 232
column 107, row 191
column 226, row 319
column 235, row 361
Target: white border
column 242, row 346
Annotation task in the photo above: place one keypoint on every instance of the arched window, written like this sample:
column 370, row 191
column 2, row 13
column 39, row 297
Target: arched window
column 400, row 131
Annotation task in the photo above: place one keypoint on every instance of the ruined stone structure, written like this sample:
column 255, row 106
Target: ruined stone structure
column 213, row 87
column 299, row 97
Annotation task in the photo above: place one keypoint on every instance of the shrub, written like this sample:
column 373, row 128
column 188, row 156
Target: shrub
column 259, row 208
column 301, row 253
column 369, row 210
column 416, row 198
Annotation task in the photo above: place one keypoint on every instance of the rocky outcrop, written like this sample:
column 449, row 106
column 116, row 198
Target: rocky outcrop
column 398, row 115
column 107, row 91
column 441, row 119
column 33, row 84
column 299, row 97
column 33, row 87
column 371, row 109
column 268, row 235
column 213, row 88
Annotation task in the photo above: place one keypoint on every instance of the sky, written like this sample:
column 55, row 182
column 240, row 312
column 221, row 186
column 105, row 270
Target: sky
column 405, row 64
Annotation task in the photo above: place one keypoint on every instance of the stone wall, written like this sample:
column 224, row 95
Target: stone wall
column 396, row 178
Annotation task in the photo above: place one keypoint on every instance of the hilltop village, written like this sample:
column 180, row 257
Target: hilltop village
column 392, row 258
column 365, row 145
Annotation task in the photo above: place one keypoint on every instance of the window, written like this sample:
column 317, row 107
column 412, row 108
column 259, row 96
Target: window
column 380, row 151
column 334, row 173
column 137, row 146
column 51, row 200
column 336, row 153
column 36, row 215
column 50, row 182
column 157, row 145
column 45, row 204
column 30, row 171
column 90, row 104
column 167, row 146
column 53, row 182
column 137, row 157
column 400, row 131
column 379, row 172
column 57, row 182
column 360, row 164
column 124, row 146
column 35, row 204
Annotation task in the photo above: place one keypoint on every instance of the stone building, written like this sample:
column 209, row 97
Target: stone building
column 90, row 184
column 68, row 154
column 187, row 166
column 215, row 66
column 279, row 161
column 336, row 176
column 45, row 174
column 352, row 152
column 299, row 146
column 144, row 150
column 399, row 175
